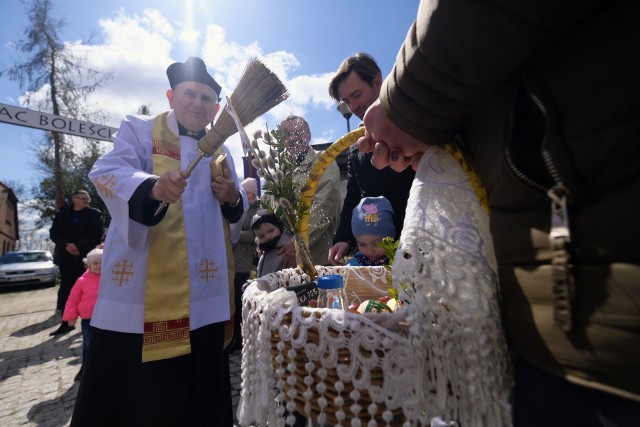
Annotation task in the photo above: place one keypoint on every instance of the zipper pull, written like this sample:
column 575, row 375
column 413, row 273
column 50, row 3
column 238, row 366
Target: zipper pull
column 559, row 239
column 559, row 215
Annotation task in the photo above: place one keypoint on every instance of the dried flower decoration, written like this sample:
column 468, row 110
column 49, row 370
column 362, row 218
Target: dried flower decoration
column 281, row 190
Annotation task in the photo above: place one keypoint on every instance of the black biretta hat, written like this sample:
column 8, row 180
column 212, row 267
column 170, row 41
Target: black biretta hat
column 192, row 70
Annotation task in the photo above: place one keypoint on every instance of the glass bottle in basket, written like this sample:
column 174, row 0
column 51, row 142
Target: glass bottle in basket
column 331, row 293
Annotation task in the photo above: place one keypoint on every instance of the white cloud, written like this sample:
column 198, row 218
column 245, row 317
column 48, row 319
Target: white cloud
column 189, row 36
column 135, row 39
column 227, row 59
column 137, row 49
column 35, row 96
column 154, row 19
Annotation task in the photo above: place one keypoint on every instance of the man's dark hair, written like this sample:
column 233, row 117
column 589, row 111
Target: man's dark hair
column 363, row 64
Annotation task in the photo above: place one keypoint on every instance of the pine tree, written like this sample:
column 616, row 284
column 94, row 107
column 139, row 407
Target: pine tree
column 58, row 82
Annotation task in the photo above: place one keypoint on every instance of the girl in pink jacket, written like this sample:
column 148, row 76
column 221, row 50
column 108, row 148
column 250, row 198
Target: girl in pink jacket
column 82, row 299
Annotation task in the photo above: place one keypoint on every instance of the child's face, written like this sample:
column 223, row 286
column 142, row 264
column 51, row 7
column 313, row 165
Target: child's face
column 95, row 266
column 368, row 246
column 266, row 232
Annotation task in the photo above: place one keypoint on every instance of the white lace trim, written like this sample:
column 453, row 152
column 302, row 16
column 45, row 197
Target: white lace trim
column 451, row 365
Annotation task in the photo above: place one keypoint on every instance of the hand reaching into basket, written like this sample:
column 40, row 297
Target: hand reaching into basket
column 337, row 252
column 390, row 145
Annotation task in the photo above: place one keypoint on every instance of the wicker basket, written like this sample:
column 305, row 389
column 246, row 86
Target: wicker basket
column 349, row 369
column 344, row 356
column 330, row 364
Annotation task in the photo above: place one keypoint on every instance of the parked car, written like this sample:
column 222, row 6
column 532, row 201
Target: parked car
column 27, row 268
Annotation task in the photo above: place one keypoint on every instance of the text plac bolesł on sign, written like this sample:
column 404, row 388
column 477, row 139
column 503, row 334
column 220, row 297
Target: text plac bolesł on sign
column 36, row 119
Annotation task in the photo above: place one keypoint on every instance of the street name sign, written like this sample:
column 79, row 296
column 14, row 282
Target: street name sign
column 36, row 119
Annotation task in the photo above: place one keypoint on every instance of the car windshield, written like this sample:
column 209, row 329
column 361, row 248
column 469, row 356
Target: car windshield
column 15, row 257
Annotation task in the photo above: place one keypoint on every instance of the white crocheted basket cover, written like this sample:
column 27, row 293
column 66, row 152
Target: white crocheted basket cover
column 448, row 367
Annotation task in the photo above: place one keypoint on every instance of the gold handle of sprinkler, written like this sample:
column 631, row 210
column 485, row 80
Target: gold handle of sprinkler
column 210, row 145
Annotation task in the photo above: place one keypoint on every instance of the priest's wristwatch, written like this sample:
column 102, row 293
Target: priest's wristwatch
column 233, row 205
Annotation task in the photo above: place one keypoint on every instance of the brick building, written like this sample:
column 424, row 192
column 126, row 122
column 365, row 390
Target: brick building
column 8, row 219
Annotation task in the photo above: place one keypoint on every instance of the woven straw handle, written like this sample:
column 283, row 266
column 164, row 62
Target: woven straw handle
column 323, row 162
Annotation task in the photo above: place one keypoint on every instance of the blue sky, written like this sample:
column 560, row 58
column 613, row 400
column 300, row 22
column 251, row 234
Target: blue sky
column 303, row 42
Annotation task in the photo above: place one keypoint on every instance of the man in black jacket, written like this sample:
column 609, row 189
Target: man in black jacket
column 357, row 83
column 543, row 97
column 76, row 230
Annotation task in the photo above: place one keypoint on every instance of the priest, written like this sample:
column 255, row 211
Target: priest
column 156, row 356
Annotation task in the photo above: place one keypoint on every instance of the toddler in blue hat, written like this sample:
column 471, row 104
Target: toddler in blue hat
column 371, row 221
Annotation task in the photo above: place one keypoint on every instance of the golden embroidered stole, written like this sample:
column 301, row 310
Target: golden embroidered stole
column 166, row 307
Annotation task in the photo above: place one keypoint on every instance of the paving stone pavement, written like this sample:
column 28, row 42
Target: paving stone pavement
column 37, row 386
